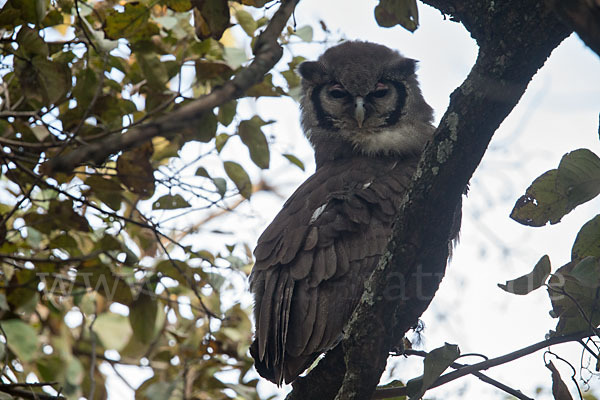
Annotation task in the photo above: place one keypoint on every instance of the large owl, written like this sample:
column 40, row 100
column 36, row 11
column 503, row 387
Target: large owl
column 364, row 114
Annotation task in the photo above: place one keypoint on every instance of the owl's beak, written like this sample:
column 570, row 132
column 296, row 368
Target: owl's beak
column 359, row 110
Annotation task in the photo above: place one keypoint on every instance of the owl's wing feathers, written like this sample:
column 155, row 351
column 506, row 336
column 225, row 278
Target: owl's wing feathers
column 312, row 260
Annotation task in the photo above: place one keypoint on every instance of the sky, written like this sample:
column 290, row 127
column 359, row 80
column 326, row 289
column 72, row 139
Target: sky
column 559, row 113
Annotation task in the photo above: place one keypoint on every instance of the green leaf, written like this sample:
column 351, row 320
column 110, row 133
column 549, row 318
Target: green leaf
column 246, row 21
column 543, row 201
column 265, row 88
column 220, row 141
column 43, row 80
column 132, row 23
column 206, row 70
column 255, row 3
column 170, row 202
column 40, row 132
column 106, row 190
column 99, row 277
column 160, row 390
column 434, row 364
column 294, row 160
column 227, row 112
column 579, row 174
column 221, row 185
column 21, row 339
column 3, row 303
column 179, row 5
column 305, row 33
column 558, row 191
column 74, row 372
column 389, row 13
column 560, row 391
column 136, row 172
column 570, row 298
column 251, row 134
column 113, row 330
column 30, row 44
column 239, row 176
column 234, row 57
column 154, row 70
column 533, row 280
column 392, row 385
column 211, row 19
column 142, row 315
column 587, row 242
column 201, row 171
column 206, row 127
column 587, row 272
column 175, row 269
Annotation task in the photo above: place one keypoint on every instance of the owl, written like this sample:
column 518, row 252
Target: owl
column 366, row 118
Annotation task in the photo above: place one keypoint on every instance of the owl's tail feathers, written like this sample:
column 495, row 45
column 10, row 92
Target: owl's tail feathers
column 287, row 371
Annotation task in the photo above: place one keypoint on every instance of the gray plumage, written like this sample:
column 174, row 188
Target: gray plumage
column 364, row 114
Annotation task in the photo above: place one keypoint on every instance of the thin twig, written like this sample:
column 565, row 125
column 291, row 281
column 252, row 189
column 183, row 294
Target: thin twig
column 484, row 378
column 492, row 362
column 28, row 394
column 93, row 355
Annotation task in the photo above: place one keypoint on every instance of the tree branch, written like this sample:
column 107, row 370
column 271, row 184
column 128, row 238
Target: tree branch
column 515, row 38
column 384, row 393
column 267, row 53
column 464, row 370
column 13, row 389
column 582, row 16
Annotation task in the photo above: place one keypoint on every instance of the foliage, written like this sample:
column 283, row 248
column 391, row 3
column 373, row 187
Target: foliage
column 93, row 266
column 573, row 287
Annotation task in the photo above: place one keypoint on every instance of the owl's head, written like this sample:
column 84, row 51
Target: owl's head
column 363, row 97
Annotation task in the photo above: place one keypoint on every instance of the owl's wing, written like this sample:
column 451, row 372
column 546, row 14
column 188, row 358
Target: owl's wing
column 311, row 262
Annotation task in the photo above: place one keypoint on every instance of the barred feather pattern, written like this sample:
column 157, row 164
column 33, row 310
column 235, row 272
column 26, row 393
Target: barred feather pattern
column 314, row 258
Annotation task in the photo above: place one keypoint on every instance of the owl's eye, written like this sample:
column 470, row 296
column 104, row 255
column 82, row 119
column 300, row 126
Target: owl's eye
column 380, row 90
column 337, row 92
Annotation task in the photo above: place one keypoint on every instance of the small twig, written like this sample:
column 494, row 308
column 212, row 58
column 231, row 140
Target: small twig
column 6, row 359
column 191, row 283
column 13, row 389
column 93, row 355
column 121, row 377
column 492, row 362
column 82, row 26
column 260, row 186
column 484, row 378
column 10, row 113
column 573, row 370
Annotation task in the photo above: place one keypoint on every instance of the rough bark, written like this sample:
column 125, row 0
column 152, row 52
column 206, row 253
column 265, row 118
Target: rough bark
column 583, row 17
column 515, row 39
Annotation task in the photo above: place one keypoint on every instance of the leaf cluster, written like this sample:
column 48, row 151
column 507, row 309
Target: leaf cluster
column 573, row 288
column 95, row 266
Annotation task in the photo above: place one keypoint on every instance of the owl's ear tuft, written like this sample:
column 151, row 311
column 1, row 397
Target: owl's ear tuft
column 312, row 71
column 400, row 68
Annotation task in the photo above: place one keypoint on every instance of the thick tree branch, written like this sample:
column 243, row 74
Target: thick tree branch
column 267, row 53
column 515, row 38
column 583, row 17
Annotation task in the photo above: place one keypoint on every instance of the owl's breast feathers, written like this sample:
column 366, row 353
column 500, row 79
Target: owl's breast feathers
column 312, row 261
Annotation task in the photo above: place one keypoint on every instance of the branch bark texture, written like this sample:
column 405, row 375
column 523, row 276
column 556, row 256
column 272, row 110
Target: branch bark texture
column 267, row 53
column 515, row 39
column 583, row 17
